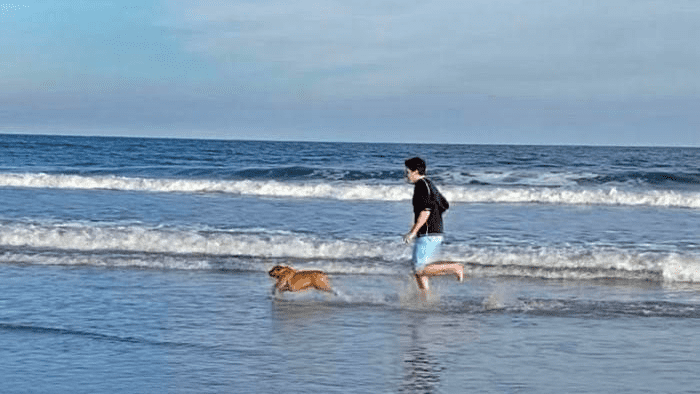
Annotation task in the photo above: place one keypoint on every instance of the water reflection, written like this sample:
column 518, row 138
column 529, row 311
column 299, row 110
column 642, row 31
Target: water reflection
column 427, row 340
column 422, row 371
column 370, row 348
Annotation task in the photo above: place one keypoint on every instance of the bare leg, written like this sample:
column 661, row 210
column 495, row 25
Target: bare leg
column 443, row 268
column 422, row 282
column 436, row 269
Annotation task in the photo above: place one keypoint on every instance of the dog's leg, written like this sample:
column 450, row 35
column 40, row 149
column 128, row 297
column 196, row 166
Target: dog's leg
column 279, row 288
column 323, row 285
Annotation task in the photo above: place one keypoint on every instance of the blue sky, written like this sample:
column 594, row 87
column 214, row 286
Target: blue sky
column 617, row 72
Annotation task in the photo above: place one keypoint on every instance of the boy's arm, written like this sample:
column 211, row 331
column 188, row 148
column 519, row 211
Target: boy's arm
column 422, row 219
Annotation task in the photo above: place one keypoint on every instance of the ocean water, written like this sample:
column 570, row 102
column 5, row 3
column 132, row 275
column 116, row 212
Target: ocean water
column 140, row 265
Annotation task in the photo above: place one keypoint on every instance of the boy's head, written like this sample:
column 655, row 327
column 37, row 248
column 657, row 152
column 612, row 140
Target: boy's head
column 416, row 164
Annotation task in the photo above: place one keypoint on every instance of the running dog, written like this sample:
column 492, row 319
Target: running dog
column 289, row 279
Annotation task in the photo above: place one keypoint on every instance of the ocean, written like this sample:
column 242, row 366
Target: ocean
column 140, row 266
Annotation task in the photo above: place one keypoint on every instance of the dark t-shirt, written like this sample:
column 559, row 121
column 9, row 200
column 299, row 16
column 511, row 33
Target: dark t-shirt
column 424, row 199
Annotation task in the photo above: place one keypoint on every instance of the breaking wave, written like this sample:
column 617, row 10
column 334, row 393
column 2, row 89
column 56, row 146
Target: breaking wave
column 136, row 245
column 361, row 191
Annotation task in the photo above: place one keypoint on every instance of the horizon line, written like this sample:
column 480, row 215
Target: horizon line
column 329, row 141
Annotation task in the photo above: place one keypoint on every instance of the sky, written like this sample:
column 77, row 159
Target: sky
column 588, row 72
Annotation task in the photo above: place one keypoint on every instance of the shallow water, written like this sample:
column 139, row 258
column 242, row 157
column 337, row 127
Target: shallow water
column 86, row 329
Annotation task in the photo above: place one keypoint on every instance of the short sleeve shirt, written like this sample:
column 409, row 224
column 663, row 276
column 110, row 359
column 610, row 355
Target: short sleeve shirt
column 424, row 200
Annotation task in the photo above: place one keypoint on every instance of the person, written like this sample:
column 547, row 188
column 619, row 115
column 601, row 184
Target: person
column 427, row 229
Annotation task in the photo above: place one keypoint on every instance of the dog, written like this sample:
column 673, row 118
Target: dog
column 289, row 279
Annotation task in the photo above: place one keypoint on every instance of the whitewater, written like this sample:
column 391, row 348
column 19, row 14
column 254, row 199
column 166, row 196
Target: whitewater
column 178, row 248
column 360, row 192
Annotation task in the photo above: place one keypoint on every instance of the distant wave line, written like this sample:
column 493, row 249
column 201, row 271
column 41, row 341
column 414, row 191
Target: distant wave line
column 358, row 192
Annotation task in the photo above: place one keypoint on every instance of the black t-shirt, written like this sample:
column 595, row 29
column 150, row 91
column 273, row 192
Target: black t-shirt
column 424, row 199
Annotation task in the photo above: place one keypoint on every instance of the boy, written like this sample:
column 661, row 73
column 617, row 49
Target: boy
column 427, row 228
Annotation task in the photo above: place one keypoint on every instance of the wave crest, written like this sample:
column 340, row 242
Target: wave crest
column 359, row 191
column 257, row 250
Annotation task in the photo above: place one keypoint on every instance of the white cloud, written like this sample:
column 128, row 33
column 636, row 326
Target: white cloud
column 549, row 48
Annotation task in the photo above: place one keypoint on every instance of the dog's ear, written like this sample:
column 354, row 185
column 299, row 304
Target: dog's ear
column 283, row 271
column 275, row 270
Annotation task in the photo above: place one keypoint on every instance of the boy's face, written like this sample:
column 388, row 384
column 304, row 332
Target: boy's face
column 412, row 176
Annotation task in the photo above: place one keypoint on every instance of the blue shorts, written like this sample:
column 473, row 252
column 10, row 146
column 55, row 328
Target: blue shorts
column 424, row 251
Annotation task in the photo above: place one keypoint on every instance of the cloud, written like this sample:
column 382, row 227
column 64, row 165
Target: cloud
column 509, row 48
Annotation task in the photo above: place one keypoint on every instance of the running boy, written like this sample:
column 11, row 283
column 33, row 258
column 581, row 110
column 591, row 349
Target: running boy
column 427, row 228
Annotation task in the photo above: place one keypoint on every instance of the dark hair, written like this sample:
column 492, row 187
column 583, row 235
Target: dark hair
column 416, row 163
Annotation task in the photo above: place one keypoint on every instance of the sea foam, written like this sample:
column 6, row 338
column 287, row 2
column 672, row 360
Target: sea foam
column 136, row 245
column 352, row 191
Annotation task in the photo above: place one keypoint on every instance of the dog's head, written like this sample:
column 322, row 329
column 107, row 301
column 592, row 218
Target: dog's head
column 279, row 271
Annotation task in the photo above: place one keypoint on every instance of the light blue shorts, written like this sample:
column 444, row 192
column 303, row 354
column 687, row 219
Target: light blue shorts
column 424, row 251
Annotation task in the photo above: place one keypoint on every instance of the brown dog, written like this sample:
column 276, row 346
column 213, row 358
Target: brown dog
column 289, row 279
